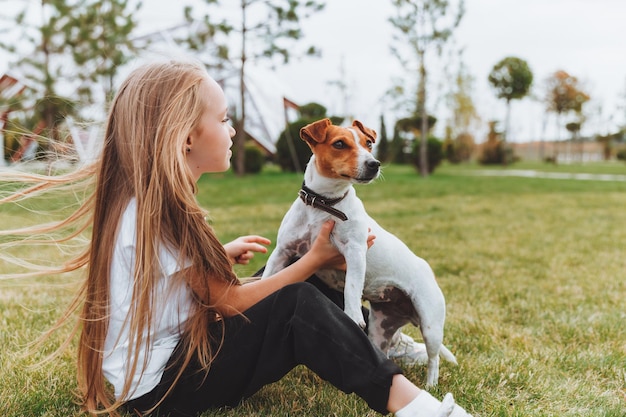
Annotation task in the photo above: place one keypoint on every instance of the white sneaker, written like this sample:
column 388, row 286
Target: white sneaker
column 425, row 405
column 407, row 351
column 450, row 409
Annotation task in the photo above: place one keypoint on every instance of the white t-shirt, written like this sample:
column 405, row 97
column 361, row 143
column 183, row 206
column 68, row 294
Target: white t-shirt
column 170, row 314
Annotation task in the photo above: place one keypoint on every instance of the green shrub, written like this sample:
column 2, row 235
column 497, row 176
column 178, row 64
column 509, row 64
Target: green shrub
column 397, row 147
column 434, row 153
column 499, row 152
column 284, row 157
column 255, row 159
column 495, row 150
column 460, row 149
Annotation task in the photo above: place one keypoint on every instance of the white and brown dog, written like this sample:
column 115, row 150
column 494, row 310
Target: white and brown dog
column 400, row 287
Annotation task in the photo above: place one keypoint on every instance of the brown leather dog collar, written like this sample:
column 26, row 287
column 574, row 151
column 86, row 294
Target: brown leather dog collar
column 318, row 201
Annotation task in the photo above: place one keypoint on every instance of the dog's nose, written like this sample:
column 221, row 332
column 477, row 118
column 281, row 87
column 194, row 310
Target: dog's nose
column 373, row 164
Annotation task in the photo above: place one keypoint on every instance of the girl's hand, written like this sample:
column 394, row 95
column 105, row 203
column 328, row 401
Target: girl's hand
column 242, row 249
column 326, row 252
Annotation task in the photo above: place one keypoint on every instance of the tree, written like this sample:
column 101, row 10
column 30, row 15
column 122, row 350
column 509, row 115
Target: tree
column 42, row 66
column 511, row 78
column 398, row 147
column 574, row 129
column 266, row 30
column 411, row 149
column 382, row 147
column 93, row 34
column 422, row 25
column 622, row 107
column 459, row 142
column 564, row 95
column 464, row 113
column 98, row 35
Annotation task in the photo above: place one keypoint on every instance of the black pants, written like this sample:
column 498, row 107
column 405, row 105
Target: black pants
column 297, row 325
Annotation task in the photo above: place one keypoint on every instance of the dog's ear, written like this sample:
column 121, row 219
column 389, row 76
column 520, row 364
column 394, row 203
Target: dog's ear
column 365, row 130
column 315, row 132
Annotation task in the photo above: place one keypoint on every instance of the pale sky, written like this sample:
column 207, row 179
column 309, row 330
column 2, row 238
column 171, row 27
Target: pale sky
column 586, row 38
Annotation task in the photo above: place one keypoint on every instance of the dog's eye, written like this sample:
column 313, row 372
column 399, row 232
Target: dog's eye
column 339, row 144
column 369, row 144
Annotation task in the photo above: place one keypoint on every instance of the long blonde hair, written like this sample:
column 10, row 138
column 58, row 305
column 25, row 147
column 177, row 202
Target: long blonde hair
column 143, row 157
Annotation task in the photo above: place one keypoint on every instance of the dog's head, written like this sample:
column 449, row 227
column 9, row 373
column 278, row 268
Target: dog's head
column 343, row 153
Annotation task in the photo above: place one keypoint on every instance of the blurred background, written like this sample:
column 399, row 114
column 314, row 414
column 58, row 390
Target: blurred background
column 487, row 81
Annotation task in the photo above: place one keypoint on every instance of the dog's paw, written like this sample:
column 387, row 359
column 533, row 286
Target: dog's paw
column 357, row 317
column 360, row 321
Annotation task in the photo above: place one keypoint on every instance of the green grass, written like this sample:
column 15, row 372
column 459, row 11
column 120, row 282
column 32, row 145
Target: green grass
column 532, row 269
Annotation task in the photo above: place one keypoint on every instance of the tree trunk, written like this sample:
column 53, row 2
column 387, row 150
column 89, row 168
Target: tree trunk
column 507, row 123
column 2, row 160
column 557, row 146
column 506, row 132
column 240, row 137
column 421, row 110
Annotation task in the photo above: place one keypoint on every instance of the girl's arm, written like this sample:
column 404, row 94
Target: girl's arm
column 230, row 299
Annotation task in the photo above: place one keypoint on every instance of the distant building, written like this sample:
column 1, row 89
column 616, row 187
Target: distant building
column 560, row 152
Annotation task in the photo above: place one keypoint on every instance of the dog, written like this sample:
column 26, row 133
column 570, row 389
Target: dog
column 400, row 286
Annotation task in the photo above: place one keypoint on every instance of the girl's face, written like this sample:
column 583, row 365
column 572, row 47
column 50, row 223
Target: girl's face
column 208, row 144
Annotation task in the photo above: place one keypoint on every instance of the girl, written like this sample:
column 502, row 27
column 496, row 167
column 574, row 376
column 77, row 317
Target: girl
column 164, row 318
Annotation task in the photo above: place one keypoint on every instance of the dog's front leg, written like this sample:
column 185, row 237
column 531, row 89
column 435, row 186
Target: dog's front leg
column 278, row 260
column 288, row 244
column 355, row 280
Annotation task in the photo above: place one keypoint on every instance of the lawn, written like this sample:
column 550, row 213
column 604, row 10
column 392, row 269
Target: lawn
column 532, row 269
